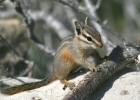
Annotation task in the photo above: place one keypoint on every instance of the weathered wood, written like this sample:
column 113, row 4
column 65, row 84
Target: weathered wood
column 117, row 60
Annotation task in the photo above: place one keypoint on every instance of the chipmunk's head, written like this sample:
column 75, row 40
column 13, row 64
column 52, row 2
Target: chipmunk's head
column 88, row 36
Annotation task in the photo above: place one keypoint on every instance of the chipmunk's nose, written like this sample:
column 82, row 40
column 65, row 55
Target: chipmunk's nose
column 100, row 45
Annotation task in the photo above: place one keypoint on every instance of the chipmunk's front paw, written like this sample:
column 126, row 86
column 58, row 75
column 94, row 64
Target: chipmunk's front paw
column 98, row 69
column 70, row 85
column 94, row 69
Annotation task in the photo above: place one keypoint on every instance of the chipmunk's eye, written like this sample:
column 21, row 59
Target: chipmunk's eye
column 89, row 38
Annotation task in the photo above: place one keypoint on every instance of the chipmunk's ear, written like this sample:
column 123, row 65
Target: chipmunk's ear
column 78, row 27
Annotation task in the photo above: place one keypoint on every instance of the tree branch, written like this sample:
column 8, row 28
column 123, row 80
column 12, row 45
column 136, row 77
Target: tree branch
column 30, row 25
column 28, row 20
column 118, row 59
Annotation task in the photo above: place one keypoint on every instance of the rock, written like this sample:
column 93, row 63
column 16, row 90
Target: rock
column 53, row 91
column 126, row 87
column 14, row 44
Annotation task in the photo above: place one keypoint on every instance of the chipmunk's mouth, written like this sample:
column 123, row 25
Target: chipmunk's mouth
column 98, row 44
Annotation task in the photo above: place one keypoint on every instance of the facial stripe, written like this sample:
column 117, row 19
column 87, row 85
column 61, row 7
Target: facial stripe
column 83, row 39
column 86, row 35
column 98, row 43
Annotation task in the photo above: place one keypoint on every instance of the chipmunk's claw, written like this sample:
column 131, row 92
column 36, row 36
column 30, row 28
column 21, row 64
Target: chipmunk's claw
column 94, row 69
column 70, row 85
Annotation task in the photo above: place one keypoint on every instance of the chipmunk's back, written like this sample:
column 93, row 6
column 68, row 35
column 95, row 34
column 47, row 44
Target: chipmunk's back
column 64, row 60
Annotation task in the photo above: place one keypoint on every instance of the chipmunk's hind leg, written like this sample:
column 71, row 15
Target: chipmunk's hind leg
column 68, row 84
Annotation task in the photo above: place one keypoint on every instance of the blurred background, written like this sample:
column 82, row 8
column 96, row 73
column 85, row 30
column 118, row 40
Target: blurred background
column 53, row 21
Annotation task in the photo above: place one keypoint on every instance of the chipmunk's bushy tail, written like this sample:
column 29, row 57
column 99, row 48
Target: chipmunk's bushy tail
column 24, row 87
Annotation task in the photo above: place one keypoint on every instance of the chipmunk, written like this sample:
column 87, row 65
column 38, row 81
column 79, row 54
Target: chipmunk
column 71, row 53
